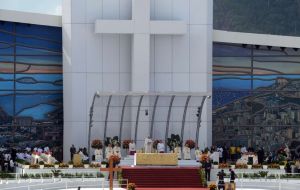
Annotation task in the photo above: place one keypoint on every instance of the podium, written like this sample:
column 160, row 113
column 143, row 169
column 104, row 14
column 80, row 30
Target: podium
column 77, row 159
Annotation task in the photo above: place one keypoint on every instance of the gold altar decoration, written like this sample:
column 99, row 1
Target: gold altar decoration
column 156, row 159
column 77, row 159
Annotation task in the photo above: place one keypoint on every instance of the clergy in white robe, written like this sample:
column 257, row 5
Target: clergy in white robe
column 117, row 151
column 161, row 147
column 108, row 152
column 177, row 150
column 98, row 155
column 186, row 153
column 198, row 154
column 132, row 149
column 215, row 157
column 148, row 145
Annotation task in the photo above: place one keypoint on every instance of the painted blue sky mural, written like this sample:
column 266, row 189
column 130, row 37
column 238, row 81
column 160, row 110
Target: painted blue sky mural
column 31, row 100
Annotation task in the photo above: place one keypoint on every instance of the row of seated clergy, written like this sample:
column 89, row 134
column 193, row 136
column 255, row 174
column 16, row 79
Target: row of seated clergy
column 46, row 158
column 186, row 152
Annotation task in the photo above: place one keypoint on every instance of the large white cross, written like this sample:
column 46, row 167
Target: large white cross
column 141, row 27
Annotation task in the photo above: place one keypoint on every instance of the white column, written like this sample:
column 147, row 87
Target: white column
column 140, row 62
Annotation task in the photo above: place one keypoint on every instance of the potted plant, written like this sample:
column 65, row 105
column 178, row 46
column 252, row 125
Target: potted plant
column 41, row 163
column 103, row 164
column 70, row 164
column 86, row 164
column 216, row 165
column 56, row 165
column 232, row 165
column 131, row 186
column 190, row 143
column 212, row 186
column 281, row 165
column 265, row 165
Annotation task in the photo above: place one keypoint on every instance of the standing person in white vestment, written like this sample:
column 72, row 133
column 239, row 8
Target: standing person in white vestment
column 198, row 154
column 186, row 152
column 132, row 150
column 177, row 150
column 215, row 157
column 108, row 152
column 148, row 145
column 117, row 150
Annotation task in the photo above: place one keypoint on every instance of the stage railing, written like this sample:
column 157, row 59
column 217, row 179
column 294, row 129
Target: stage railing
column 269, row 181
column 68, row 184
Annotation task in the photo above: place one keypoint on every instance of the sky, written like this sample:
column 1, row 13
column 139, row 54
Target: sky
column 52, row 7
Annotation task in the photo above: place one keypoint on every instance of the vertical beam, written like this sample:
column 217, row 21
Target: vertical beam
column 199, row 120
column 153, row 116
column 168, row 120
column 137, row 119
column 122, row 118
column 106, row 117
column 184, row 116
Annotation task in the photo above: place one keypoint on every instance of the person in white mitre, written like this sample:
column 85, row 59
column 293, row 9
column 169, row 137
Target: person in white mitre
column 177, row 150
column 148, row 145
column 117, row 150
column 98, row 155
column 161, row 147
column 132, row 150
column 186, row 152
column 108, row 151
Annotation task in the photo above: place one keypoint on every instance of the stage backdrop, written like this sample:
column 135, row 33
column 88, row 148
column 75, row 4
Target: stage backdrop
column 256, row 95
column 31, row 104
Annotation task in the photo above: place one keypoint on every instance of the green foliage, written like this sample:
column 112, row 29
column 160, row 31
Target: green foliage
column 174, row 141
column 203, row 181
column 56, row 173
column 113, row 141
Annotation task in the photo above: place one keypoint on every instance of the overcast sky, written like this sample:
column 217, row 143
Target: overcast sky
column 37, row 6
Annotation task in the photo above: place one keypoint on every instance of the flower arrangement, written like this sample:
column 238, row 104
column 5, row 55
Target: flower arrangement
column 256, row 166
column 97, row 144
column 78, row 166
column 63, row 165
column 190, row 143
column 116, row 159
column 131, row 186
column 41, row 163
column 273, row 166
column 34, row 166
column 154, row 145
column 126, row 143
column 212, row 186
column 95, row 165
column 203, row 157
column 223, row 166
column 241, row 166
column 49, row 165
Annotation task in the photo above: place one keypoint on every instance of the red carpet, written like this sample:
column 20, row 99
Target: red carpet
column 159, row 178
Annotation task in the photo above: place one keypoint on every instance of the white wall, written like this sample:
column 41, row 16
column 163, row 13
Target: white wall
column 103, row 61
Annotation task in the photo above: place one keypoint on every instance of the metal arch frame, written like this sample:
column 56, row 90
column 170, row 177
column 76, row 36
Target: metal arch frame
column 137, row 119
column 106, row 117
column 153, row 116
column 96, row 95
column 184, row 116
column 168, row 120
column 199, row 120
column 122, row 118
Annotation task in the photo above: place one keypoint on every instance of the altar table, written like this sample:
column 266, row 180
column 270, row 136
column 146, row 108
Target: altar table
column 155, row 159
